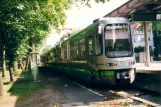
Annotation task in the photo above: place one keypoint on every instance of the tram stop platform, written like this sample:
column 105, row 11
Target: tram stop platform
column 149, row 78
column 155, row 68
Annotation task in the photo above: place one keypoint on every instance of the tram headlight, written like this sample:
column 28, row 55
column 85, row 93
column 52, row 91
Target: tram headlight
column 112, row 64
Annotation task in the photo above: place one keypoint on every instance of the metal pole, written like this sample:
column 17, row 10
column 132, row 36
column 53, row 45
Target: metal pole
column 146, row 45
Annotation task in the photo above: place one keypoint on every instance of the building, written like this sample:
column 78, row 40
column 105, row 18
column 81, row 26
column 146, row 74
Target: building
column 139, row 40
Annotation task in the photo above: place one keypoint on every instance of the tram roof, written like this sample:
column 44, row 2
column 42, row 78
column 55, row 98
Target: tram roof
column 79, row 34
column 105, row 20
column 132, row 6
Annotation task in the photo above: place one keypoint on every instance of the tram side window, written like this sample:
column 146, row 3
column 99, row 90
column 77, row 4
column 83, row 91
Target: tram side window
column 51, row 56
column 68, row 51
column 90, row 44
column 54, row 55
column 65, row 52
column 82, row 47
column 75, row 50
column 98, row 44
column 62, row 56
column 58, row 54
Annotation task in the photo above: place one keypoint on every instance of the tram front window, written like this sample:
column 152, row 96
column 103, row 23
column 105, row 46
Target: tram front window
column 118, row 41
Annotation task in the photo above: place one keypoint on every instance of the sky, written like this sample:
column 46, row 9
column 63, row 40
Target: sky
column 84, row 16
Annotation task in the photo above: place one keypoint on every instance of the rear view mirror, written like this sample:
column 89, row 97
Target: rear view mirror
column 99, row 29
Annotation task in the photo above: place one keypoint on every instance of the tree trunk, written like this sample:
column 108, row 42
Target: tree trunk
column 27, row 64
column 11, row 73
column 15, row 67
column 2, row 90
column 22, row 66
column 3, row 63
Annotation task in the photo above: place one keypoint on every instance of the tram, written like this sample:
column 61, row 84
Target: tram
column 102, row 53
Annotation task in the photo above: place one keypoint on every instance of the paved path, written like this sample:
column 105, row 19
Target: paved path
column 76, row 93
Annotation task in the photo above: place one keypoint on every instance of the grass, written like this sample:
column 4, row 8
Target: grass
column 23, row 86
column 22, row 89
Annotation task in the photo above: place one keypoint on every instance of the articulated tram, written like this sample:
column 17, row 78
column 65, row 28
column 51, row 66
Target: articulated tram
column 102, row 53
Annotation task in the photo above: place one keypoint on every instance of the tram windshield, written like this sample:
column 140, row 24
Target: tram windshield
column 118, row 41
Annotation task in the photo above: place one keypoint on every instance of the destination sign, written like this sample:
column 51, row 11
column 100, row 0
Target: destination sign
column 146, row 16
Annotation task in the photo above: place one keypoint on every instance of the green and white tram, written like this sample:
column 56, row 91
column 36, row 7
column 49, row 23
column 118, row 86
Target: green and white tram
column 102, row 53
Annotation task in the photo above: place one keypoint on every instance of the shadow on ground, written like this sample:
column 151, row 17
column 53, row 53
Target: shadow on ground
column 26, row 93
column 151, row 82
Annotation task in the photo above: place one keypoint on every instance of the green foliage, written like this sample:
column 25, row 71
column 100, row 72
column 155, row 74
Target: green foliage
column 87, row 2
column 138, row 49
column 103, row 1
column 26, row 21
column 156, row 25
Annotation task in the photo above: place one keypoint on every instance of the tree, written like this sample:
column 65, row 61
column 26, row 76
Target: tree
column 2, row 91
column 28, row 21
column 3, row 61
column 157, row 38
column 79, row 3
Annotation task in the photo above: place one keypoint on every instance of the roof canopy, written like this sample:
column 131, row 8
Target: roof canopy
column 133, row 6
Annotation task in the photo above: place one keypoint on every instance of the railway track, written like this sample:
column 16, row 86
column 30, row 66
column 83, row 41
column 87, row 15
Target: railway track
column 132, row 96
column 137, row 95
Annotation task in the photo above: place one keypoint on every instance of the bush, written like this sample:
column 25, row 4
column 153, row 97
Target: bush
column 138, row 49
column 159, row 57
